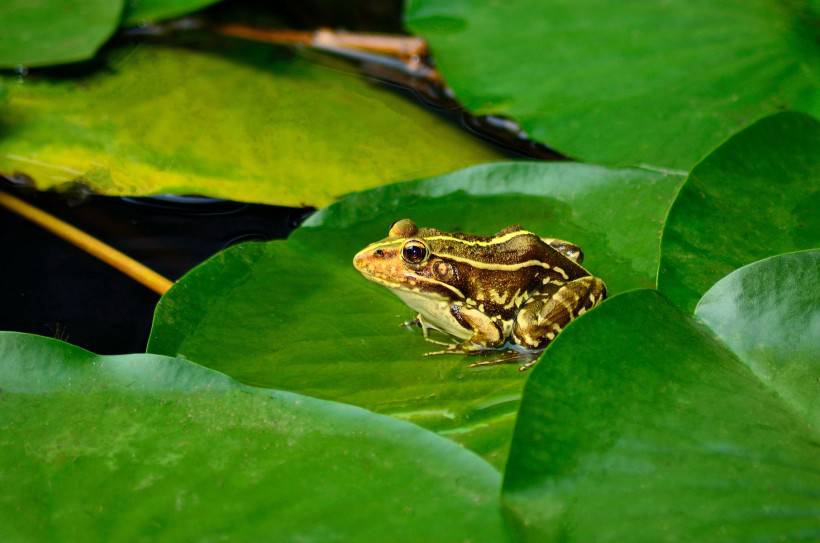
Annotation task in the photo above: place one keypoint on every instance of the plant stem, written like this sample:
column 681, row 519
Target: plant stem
column 88, row 243
column 410, row 50
column 405, row 47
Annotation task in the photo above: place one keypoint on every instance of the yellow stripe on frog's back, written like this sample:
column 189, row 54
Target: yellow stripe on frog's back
column 496, row 266
column 443, row 237
column 472, row 243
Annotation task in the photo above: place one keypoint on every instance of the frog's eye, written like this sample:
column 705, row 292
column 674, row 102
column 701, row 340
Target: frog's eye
column 414, row 252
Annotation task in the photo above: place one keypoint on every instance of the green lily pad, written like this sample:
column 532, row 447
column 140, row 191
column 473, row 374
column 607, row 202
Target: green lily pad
column 295, row 315
column 756, row 195
column 658, row 83
column 250, row 122
column 146, row 11
column 768, row 313
column 639, row 424
column 144, row 447
column 46, row 32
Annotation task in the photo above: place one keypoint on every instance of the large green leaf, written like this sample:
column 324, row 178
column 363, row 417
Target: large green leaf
column 250, row 123
column 640, row 425
column 144, row 447
column 658, row 83
column 769, row 314
column 44, row 32
column 144, row 11
column 295, row 315
column 756, row 195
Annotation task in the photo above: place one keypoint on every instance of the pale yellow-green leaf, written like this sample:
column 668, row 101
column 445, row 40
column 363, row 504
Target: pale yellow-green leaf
column 249, row 122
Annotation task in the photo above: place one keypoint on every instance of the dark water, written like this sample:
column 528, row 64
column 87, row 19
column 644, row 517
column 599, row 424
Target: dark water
column 52, row 288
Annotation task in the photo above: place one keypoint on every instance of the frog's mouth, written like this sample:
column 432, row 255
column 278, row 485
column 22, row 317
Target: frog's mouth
column 385, row 267
column 419, row 286
column 414, row 285
column 385, row 282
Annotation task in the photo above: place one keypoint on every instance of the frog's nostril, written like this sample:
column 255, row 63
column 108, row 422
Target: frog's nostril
column 378, row 252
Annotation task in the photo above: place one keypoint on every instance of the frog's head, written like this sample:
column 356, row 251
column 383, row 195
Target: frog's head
column 406, row 261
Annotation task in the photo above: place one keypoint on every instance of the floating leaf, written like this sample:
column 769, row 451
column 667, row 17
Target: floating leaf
column 756, row 195
column 295, row 315
column 145, row 11
column 144, row 447
column 640, row 425
column 45, row 32
column 659, row 83
column 253, row 123
column 768, row 313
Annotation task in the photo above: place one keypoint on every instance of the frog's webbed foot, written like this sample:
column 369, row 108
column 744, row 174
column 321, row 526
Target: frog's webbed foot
column 528, row 364
column 527, row 358
column 511, row 356
column 458, row 348
column 505, row 358
column 442, row 343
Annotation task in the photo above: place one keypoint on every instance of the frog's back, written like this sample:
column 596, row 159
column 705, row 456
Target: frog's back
column 512, row 249
column 502, row 271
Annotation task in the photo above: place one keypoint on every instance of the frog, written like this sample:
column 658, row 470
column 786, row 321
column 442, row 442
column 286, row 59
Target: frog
column 514, row 291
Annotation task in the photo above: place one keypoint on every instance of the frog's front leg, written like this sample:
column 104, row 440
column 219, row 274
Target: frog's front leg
column 425, row 330
column 486, row 332
column 419, row 321
column 543, row 316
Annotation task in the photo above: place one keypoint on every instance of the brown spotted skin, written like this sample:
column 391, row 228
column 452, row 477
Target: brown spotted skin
column 545, row 315
column 513, row 286
column 495, row 288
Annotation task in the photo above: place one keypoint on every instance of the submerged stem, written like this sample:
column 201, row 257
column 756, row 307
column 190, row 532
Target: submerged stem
column 88, row 243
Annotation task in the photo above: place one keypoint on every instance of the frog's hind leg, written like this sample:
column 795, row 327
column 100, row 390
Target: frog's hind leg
column 544, row 316
column 465, row 347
